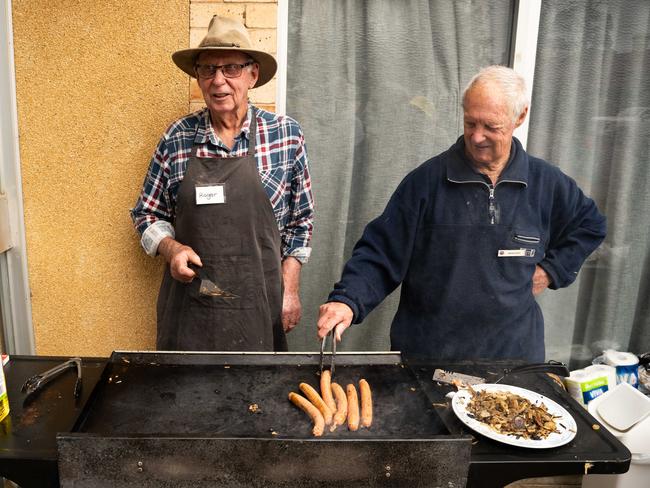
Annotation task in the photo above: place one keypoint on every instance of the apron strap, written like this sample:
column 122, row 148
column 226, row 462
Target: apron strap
column 252, row 132
column 195, row 146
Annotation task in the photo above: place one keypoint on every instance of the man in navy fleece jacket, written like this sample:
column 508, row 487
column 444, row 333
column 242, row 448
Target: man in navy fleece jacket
column 472, row 235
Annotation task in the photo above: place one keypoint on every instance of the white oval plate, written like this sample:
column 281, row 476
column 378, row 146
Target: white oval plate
column 565, row 422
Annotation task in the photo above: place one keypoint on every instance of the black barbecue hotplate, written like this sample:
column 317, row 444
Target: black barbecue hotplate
column 218, row 419
column 246, row 396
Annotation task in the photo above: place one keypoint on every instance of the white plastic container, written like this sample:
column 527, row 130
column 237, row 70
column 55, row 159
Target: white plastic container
column 625, row 412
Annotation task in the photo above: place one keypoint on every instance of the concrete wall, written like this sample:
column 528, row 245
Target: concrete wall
column 96, row 88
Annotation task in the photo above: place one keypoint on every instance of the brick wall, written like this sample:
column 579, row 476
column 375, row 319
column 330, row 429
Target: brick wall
column 259, row 17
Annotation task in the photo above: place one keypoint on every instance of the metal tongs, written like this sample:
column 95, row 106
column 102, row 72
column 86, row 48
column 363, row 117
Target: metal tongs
column 322, row 351
column 38, row 381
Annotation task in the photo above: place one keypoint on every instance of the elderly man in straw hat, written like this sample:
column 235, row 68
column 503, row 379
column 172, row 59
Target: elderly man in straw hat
column 227, row 202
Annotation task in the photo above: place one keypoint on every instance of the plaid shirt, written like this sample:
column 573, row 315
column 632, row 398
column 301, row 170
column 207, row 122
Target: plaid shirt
column 281, row 162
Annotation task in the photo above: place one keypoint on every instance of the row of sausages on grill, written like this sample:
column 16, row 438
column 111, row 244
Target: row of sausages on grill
column 335, row 406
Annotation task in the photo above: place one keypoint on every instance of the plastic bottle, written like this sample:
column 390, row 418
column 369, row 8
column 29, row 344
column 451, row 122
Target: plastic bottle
column 4, row 400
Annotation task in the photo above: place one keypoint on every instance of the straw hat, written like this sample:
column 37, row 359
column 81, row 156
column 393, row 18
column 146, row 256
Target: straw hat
column 225, row 34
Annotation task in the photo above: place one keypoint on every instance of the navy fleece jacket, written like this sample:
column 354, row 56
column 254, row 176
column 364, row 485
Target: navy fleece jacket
column 465, row 252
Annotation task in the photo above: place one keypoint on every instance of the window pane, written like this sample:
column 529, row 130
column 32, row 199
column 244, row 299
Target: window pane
column 591, row 116
column 376, row 85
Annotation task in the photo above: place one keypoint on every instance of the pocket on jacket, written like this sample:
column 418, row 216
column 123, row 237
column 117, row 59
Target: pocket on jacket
column 526, row 237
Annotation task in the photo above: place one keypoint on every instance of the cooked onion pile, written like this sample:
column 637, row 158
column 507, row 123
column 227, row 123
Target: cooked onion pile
column 510, row 414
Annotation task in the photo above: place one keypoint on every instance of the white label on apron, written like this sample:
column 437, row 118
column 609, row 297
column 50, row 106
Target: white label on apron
column 511, row 253
column 208, row 195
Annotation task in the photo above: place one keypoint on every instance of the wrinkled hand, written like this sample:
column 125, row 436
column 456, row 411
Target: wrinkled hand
column 178, row 256
column 541, row 280
column 331, row 315
column 291, row 311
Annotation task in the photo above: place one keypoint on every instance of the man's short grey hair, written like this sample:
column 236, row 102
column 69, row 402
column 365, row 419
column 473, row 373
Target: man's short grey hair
column 512, row 86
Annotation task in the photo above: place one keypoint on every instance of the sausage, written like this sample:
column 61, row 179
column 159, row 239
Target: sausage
column 341, row 405
column 326, row 389
column 326, row 393
column 313, row 396
column 366, row 403
column 307, row 407
column 353, row 407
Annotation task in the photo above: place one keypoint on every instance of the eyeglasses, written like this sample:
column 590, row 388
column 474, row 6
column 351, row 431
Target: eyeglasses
column 206, row 71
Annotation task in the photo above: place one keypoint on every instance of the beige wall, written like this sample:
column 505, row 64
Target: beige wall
column 96, row 88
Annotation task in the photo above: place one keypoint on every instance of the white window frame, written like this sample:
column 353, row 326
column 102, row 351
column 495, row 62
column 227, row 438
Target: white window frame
column 15, row 302
column 524, row 52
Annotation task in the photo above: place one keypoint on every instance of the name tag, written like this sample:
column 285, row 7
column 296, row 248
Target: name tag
column 209, row 195
column 511, row 253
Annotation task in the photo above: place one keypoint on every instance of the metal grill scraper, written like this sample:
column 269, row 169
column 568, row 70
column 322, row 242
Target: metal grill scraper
column 207, row 286
column 449, row 377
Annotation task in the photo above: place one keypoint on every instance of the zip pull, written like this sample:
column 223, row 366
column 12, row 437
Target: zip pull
column 492, row 207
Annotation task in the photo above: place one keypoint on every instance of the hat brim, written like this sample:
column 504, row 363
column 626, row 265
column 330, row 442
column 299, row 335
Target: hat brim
column 185, row 59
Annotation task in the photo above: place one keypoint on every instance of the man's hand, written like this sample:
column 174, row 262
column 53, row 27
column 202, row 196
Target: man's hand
column 178, row 256
column 291, row 311
column 541, row 280
column 331, row 315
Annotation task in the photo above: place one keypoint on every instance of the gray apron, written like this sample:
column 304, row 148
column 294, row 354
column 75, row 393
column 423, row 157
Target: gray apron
column 239, row 245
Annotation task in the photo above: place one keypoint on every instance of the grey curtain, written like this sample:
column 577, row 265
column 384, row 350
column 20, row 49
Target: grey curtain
column 376, row 86
column 591, row 116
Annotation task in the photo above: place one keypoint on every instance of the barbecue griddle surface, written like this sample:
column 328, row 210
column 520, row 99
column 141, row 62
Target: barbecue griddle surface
column 158, row 398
